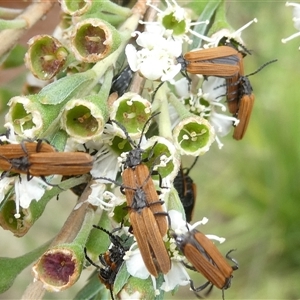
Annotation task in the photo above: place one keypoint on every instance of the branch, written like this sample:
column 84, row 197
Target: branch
column 31, row 15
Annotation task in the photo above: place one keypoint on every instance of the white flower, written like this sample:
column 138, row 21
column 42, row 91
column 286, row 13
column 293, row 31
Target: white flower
column 157, row 58
column 182, row 87
column 214, row 88
column 105, row 200
column 222, row 124
column 174, row 22
column 179, row 225
column 105, row 163
column 176, row 276
column 10, row 135
column 135, row 264
column 136, row 268
column 296, row 20
column 27, row 191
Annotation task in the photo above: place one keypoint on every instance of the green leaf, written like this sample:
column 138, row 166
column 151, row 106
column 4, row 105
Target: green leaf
column 10, row 268
column 76, row 85
column 121, row 279
column 207, row 14
column 99, row 241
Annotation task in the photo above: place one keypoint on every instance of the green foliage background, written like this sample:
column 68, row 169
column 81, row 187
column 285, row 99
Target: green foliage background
column 250, row 189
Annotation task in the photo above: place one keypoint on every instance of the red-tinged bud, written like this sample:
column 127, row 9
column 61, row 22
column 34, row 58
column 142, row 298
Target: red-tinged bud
column 59, row 267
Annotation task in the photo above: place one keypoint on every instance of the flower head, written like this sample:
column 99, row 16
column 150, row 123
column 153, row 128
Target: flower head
column 175, row 21
column 157, row 58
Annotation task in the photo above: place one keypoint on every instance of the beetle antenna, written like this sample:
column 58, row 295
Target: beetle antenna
column 260, row 68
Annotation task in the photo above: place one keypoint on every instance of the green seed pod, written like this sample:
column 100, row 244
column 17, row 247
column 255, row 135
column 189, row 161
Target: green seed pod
column 30, row 118
column 84, row 119
column 132, row 111
column 45, row 56
column 75, row 8
column 193, row 136
column 94, row 39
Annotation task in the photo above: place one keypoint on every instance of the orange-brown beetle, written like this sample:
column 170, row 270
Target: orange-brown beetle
column 206, row 259
column 18, row 150
column 222, row 61
column 245, row 102
column 145, row 213
column 134, row 168
column 48, row 163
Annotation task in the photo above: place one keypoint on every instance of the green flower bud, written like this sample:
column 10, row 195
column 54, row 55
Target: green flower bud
column 132, row 111
column 193, row 136
column 30, row 118
column 8, row 221
column 94, row 39
column 84, row 119
column 75, row 8
column 45, row 57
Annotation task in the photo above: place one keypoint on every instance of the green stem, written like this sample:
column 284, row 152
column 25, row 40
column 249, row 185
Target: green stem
column 37, row 207
column 179, row 106
column 58, row 140
column 114, row 20
column 115, row 9
column 86, row 227
column 12, row 24
column 105, row 88
column 164, row 123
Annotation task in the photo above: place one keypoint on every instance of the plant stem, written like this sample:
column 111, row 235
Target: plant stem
column 12, row 24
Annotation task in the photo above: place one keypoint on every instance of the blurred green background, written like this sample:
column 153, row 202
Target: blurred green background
column 249, row 190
